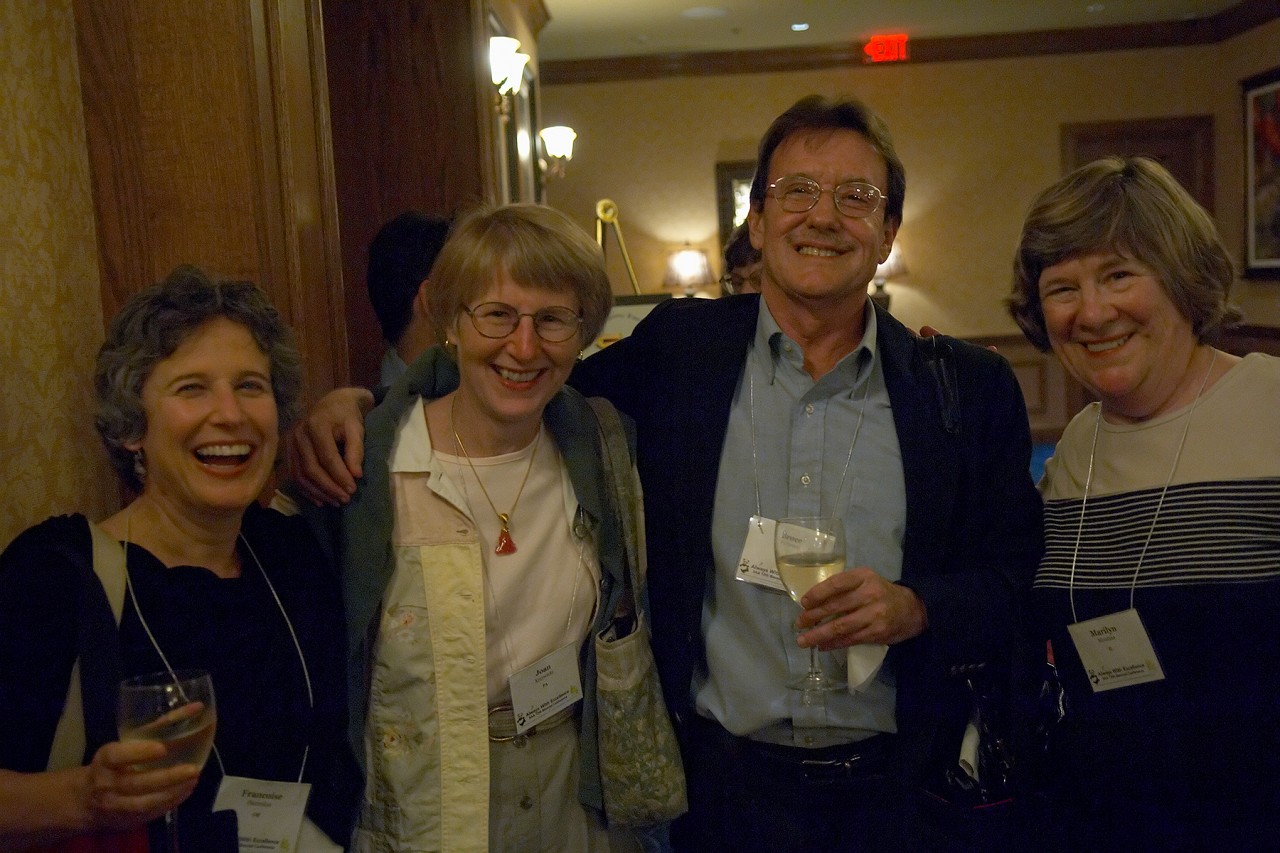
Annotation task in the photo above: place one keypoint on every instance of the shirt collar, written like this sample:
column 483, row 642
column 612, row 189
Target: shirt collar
column 769, row 348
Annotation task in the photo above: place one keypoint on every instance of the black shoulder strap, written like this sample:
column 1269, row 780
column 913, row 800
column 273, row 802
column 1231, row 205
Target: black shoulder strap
column 937, row 355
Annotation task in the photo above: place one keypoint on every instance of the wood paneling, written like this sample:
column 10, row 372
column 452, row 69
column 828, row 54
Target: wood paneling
column 409, row 100
column 1052, row 397
column 1182, row 144
column 207, row 129
column 1243, row 339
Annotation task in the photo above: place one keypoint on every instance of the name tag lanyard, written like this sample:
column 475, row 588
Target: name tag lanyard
column 306, row 675
column 1115, row 649
column 755, row 458
column 1088, row 483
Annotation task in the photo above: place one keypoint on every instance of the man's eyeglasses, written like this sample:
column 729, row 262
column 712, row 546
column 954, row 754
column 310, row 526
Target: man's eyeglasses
column 498, row 319
column 855, row 198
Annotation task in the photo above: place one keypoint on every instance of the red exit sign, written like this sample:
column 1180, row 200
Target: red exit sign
column 886, row 49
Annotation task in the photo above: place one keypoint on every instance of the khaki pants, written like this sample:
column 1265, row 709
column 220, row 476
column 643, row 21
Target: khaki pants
column 533, row 799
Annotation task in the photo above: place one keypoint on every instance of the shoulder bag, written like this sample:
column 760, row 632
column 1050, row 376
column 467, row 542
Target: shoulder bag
column 640, row 765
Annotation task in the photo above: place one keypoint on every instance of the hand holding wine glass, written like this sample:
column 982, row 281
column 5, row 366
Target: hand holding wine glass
column 176, row 709
column 807, row 551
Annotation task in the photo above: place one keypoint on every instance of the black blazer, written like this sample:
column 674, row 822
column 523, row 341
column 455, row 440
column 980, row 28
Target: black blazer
column 973, row 535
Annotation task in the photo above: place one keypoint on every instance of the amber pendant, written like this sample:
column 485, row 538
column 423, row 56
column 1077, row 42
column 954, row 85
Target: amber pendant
column 506, row 545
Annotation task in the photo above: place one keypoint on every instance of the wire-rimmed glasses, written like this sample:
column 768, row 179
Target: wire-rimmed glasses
column 498, row 319
column 853, row 198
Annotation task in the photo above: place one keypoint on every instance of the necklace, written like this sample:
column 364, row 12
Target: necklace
column 506, row 545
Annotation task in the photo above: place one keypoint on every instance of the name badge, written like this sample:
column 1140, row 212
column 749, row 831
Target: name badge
column 756, row 566
column 269, row 813
column 545, row 687
column 1116, row 651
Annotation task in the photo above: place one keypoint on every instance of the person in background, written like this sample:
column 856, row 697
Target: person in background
column 196, row 382
column 809, row 400
column 401, row 256
column 741, row 263
column 477, row 552
column 1162, row 505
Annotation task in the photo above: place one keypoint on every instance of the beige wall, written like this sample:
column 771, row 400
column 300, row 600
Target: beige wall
column 978, row 140
column 50, row 457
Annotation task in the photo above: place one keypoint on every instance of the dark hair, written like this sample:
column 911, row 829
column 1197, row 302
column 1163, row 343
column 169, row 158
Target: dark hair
column 401, row 256
column 1133, row 206
column 739, row 252
column 536, row 246
column 816, row 113
column 150, row 328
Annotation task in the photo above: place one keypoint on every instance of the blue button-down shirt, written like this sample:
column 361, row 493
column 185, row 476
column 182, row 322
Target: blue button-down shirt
column 796, row 462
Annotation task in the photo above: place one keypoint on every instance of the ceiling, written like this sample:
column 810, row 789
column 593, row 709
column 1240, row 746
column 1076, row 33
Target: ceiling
column 592, row 29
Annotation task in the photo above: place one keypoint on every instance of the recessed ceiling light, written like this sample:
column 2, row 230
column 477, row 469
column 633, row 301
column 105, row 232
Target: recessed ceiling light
column 699, row 13
column 1095, row 8
column 799, row 28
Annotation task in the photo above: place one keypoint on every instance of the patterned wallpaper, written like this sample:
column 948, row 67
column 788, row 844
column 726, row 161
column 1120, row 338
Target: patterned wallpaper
column 50, row 311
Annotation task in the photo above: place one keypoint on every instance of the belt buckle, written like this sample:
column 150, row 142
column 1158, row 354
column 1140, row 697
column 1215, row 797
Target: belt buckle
column 829, row 769
column 518, row 739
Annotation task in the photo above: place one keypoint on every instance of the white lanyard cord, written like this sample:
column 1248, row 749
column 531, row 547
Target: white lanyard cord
column 306, row 674
column 755, row 459
column 1093, row 448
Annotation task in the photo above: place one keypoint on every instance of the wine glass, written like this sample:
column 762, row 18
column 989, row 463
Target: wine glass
column 808, row 551
column 176, row 708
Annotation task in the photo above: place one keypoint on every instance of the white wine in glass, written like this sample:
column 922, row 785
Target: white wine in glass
column 176, row 708
column 807, row 551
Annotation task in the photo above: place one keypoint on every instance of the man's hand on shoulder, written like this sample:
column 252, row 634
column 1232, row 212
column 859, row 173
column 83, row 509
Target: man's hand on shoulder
column 326, row 447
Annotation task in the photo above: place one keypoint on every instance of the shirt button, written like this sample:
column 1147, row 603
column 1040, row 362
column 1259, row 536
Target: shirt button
column 808, row 410
column 526, row 802
column 804, row 479
column 580, row 530
column 808, row 740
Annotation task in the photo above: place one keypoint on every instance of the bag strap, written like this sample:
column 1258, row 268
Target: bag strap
column 71, row 740
column 940, row 361
column 624, row 491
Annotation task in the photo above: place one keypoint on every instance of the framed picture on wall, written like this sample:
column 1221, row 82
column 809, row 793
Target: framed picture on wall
column 733, row 194
column 1262, row 174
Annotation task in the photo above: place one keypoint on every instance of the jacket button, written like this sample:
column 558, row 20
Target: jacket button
column 526, row 802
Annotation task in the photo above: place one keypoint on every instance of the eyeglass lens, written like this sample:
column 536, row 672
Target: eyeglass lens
column 498, row 319
column 855, row 198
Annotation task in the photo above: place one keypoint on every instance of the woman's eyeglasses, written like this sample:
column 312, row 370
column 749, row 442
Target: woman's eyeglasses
column 498, row 319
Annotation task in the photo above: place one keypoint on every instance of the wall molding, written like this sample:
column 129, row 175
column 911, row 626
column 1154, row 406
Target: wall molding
column 1233, row 21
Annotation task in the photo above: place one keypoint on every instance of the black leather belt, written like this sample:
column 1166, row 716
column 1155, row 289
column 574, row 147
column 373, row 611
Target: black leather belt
column 856, row 760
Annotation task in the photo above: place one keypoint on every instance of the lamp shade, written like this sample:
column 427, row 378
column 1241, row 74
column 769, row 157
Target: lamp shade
column 506, row 63
column 687, row 268
column 558, row 141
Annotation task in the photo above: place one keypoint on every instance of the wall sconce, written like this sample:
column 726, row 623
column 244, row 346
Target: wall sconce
column 506, row 64
column 688, row 269
column 557, row 143
column 893, row 266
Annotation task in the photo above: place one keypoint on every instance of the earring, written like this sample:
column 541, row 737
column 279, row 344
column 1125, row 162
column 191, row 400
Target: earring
column 139, row 466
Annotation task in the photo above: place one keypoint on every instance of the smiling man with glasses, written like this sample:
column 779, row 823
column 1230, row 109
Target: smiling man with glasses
column 807, row 400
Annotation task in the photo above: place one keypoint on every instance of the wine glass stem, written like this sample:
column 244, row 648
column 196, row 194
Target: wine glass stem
column 171, row 831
